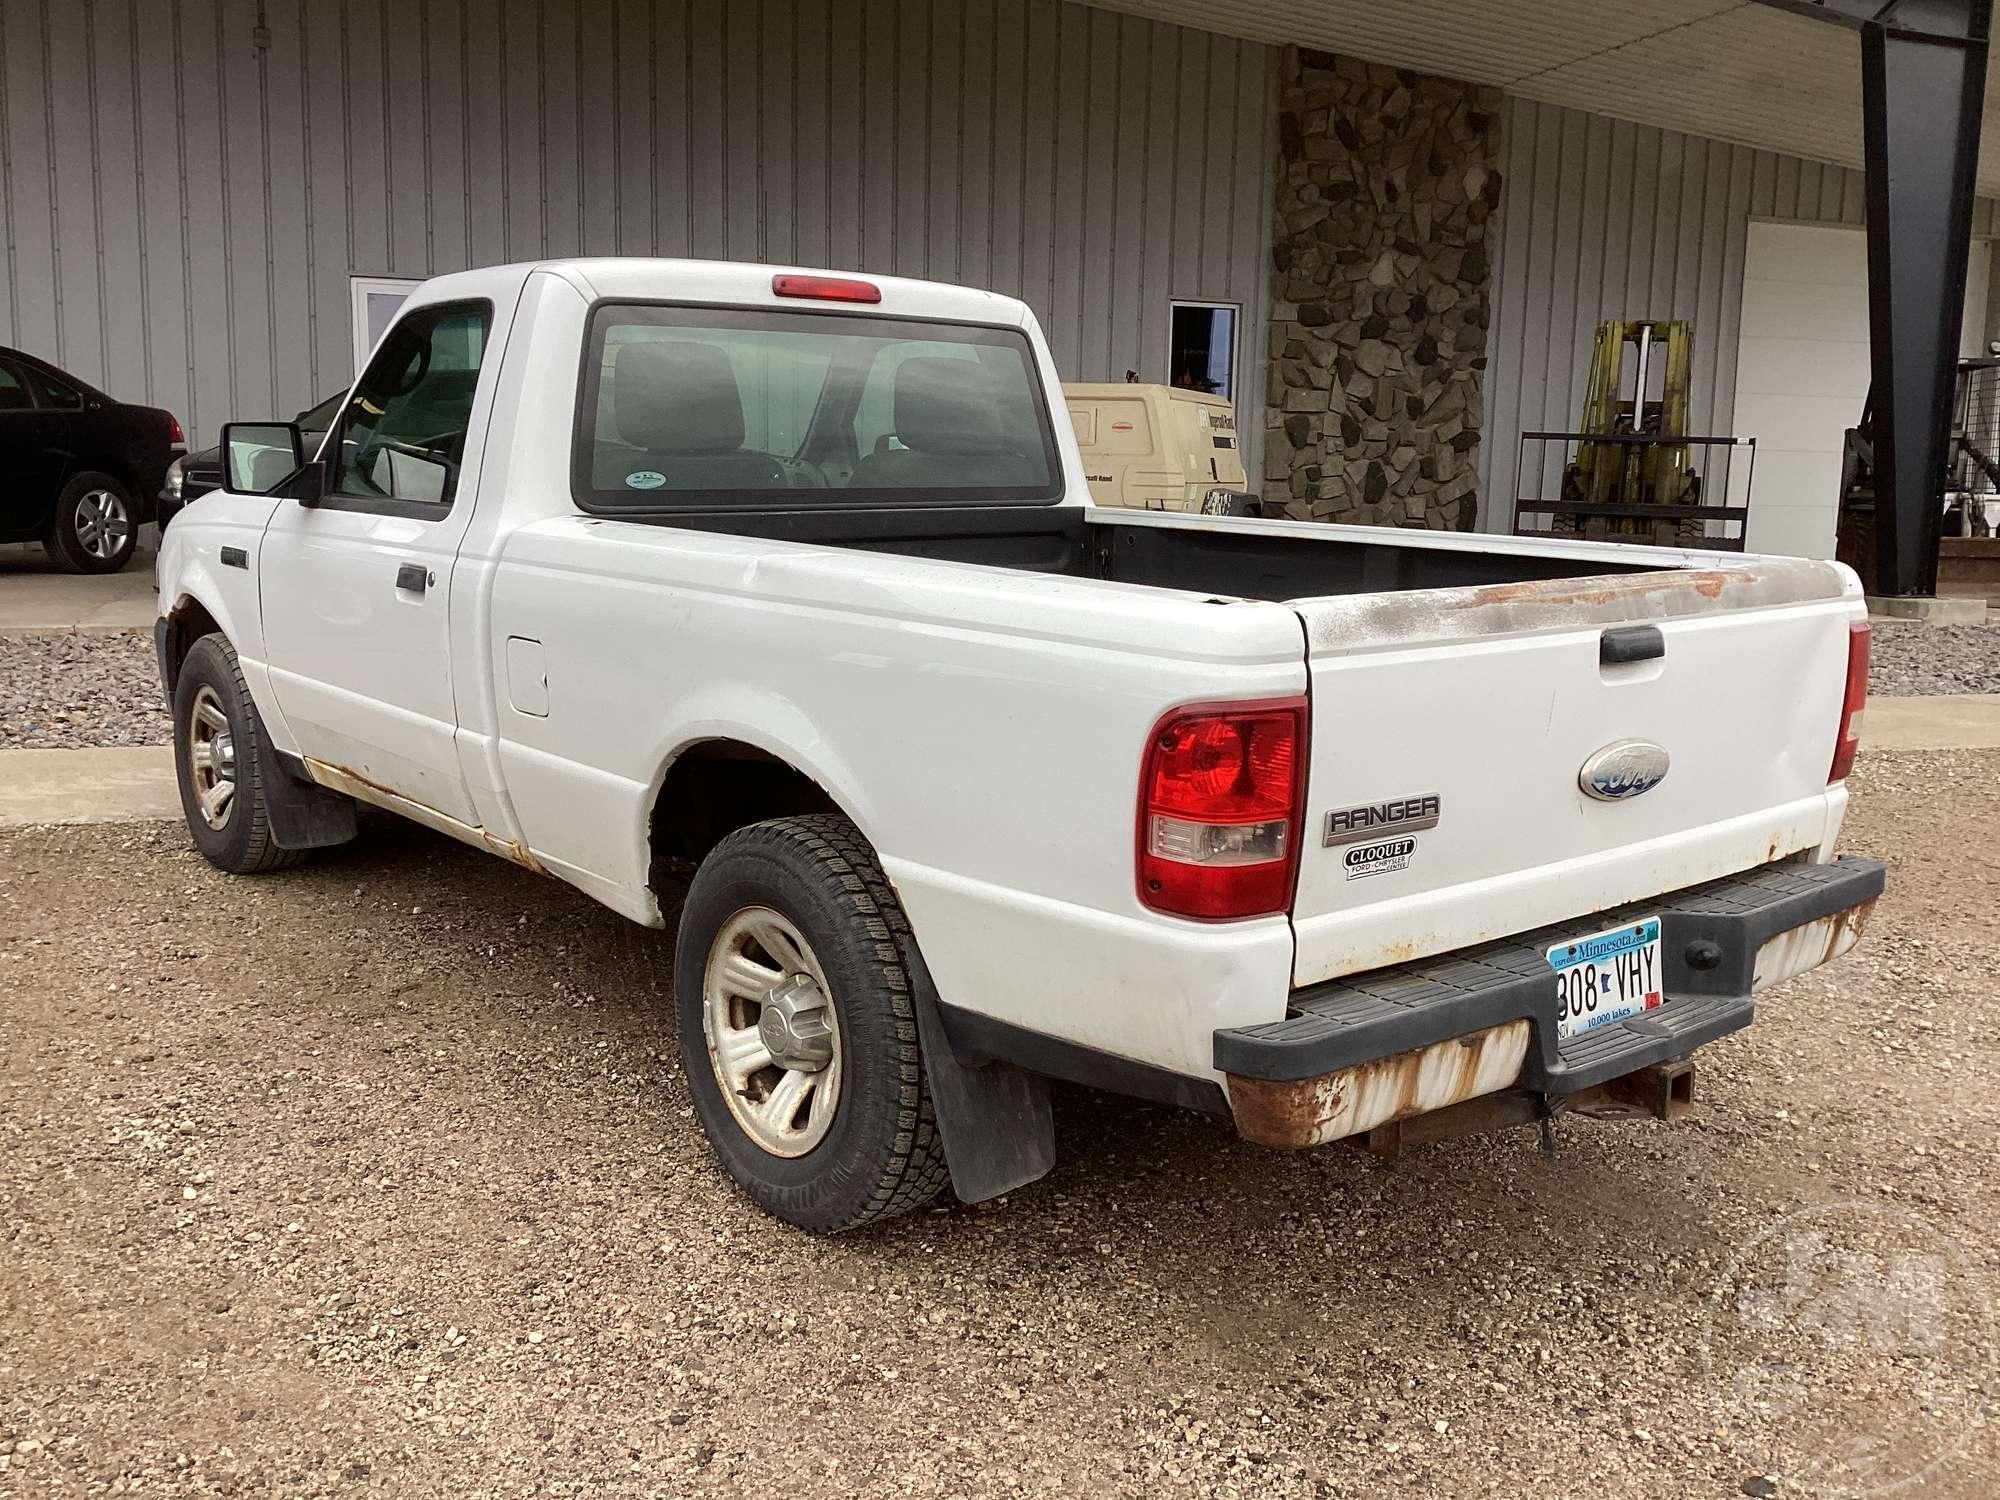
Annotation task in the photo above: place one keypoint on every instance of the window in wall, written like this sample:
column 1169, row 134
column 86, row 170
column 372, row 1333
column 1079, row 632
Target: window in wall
column 1202, row 352
column 376, row 301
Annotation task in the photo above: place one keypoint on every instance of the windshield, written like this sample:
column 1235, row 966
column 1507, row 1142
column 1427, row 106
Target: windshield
column 698, row 407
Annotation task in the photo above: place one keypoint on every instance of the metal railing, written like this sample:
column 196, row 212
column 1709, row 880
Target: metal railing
column 1687, row 482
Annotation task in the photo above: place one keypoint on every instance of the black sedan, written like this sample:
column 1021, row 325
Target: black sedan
column 78, row 470
column 191, row 477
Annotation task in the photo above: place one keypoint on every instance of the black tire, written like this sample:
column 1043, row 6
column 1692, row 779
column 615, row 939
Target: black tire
column 242, row 845
column 881, row 1155
column 104, row 539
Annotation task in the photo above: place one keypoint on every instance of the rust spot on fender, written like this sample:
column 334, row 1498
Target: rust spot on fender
column 1303, row 1112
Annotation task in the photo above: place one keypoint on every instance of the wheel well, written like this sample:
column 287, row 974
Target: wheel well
column 188, row 623
column 717, row 787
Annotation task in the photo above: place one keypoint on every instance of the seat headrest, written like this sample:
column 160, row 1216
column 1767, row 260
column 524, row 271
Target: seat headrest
column 677, row 396
column 945, row 406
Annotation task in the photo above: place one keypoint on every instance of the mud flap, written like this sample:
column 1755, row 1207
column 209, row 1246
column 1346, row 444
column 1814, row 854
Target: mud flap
column 303, row 814
column 999, row 1132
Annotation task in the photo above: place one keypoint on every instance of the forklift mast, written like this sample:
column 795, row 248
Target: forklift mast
column 1661, row 352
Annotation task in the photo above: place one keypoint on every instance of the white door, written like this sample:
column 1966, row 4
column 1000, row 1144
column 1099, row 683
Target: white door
column 1802, row 373
column 357, row 589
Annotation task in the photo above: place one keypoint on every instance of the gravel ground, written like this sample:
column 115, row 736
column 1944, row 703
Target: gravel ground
column 1916, row 661
column 62, row 691
column 380, row 1175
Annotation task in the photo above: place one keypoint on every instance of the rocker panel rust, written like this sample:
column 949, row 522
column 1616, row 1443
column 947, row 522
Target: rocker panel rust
column 365, row 789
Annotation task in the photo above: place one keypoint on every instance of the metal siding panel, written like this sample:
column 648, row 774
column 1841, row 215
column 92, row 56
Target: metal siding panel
column 487, row 90
column 673, row 128
column 846, row 142
column 877, row 159
column 1161, row 214
column 1501, row 394
column 329, row 256
column 246, row 213
column 1568, row 313
column 161, row 203
column 1038, row 136
column 600, row 84
column 812, row 227
column 447, row 212
column 774, row 160
column 707, row 103
column 65, row 55
column 944, row 141
column 636, row 79
column 1729, row 293
column 742, row 128
column 911, row 98
column 365, row 113
column 210, row 402
column 1098, row 224
column 1070, row 144
column 1257, row 190
column 405, row 71
column 287, row 285
column 117, row 202
column 560, row 158
column 979, row 153
column 33, row 289
column 1218, row 168
column 1190, row 110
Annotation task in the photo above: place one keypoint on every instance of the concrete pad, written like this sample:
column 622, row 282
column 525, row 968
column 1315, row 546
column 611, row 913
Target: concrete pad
column 1928, row 609
column 1965, row 721
column 117, row 785
column 35, row 599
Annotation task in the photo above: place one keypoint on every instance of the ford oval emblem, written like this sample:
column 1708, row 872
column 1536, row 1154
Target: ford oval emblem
column 1626, row 769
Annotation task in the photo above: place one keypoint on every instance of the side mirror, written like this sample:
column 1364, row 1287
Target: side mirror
column 258, row 456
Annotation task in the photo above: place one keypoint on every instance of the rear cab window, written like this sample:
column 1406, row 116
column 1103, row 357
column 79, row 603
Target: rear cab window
column 685, row 408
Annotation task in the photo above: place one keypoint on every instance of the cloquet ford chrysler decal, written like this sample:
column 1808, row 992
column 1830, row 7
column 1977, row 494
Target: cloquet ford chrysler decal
column 1348, row 825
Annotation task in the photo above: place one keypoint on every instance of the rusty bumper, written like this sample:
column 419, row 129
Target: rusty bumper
column 1359, row 1053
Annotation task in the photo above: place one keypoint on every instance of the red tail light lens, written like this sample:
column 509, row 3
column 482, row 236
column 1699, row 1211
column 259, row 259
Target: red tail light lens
column 174, row 434
column 826, row 288
column 1220, row 803
column 1851, row 705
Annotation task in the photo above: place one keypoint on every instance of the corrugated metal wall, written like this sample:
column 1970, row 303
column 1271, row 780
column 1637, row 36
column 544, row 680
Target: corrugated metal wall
column 182, row 210
column 1605, row 219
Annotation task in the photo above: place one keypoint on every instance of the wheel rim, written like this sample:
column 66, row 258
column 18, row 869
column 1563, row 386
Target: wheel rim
column 773, row 1037
column 102, row 524
column 211, row 758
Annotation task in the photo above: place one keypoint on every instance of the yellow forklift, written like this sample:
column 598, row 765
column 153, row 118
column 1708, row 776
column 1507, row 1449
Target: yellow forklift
column 1608, row 472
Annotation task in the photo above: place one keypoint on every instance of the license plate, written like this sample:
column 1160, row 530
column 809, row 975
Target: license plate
column 1606, row 977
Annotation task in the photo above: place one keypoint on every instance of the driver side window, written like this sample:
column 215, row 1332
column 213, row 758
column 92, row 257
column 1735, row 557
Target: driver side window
column 402, row 433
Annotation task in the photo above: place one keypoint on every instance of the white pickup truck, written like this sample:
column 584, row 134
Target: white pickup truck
column 775, row 598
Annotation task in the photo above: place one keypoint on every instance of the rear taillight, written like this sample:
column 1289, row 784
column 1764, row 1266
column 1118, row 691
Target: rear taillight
column 1220, row 802
column 1851, row 705
column 174, row 434
column 825, row 288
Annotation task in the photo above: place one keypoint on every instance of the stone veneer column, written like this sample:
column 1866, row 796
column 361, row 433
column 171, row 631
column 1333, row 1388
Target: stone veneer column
column 1387, row 184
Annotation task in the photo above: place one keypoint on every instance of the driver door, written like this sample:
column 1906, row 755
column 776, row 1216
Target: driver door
column 356, row 591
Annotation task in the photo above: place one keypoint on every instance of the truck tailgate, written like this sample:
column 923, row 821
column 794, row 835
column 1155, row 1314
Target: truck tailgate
column 1490, row 700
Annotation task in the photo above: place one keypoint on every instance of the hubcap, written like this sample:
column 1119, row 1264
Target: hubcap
column 773, row 1039
column 102, row 525
column 211, row 757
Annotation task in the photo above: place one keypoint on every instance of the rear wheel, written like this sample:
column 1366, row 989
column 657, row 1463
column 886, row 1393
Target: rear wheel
column 798, row 1036
column 95, row 526
column 218, row 745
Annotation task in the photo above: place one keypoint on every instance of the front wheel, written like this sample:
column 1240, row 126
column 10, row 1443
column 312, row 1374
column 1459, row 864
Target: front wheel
column 218, row 743
column 95, row 526
column 798, row 1034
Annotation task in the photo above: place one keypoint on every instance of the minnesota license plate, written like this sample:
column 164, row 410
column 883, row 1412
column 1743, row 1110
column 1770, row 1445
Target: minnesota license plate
column 1606, row 977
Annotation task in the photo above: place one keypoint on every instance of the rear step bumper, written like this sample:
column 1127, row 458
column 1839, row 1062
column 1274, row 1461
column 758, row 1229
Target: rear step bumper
column 1355, row 1053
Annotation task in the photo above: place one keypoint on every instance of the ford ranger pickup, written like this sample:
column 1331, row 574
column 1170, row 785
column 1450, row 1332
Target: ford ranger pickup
column 776, row 598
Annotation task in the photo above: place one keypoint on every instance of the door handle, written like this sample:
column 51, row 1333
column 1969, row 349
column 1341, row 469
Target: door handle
column 1629, row 643
column 414, row 577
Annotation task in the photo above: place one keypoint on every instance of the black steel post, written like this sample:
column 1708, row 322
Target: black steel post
column 1923, row 74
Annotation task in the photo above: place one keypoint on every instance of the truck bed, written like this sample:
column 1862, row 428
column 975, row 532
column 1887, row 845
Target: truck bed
column 1271, row 560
